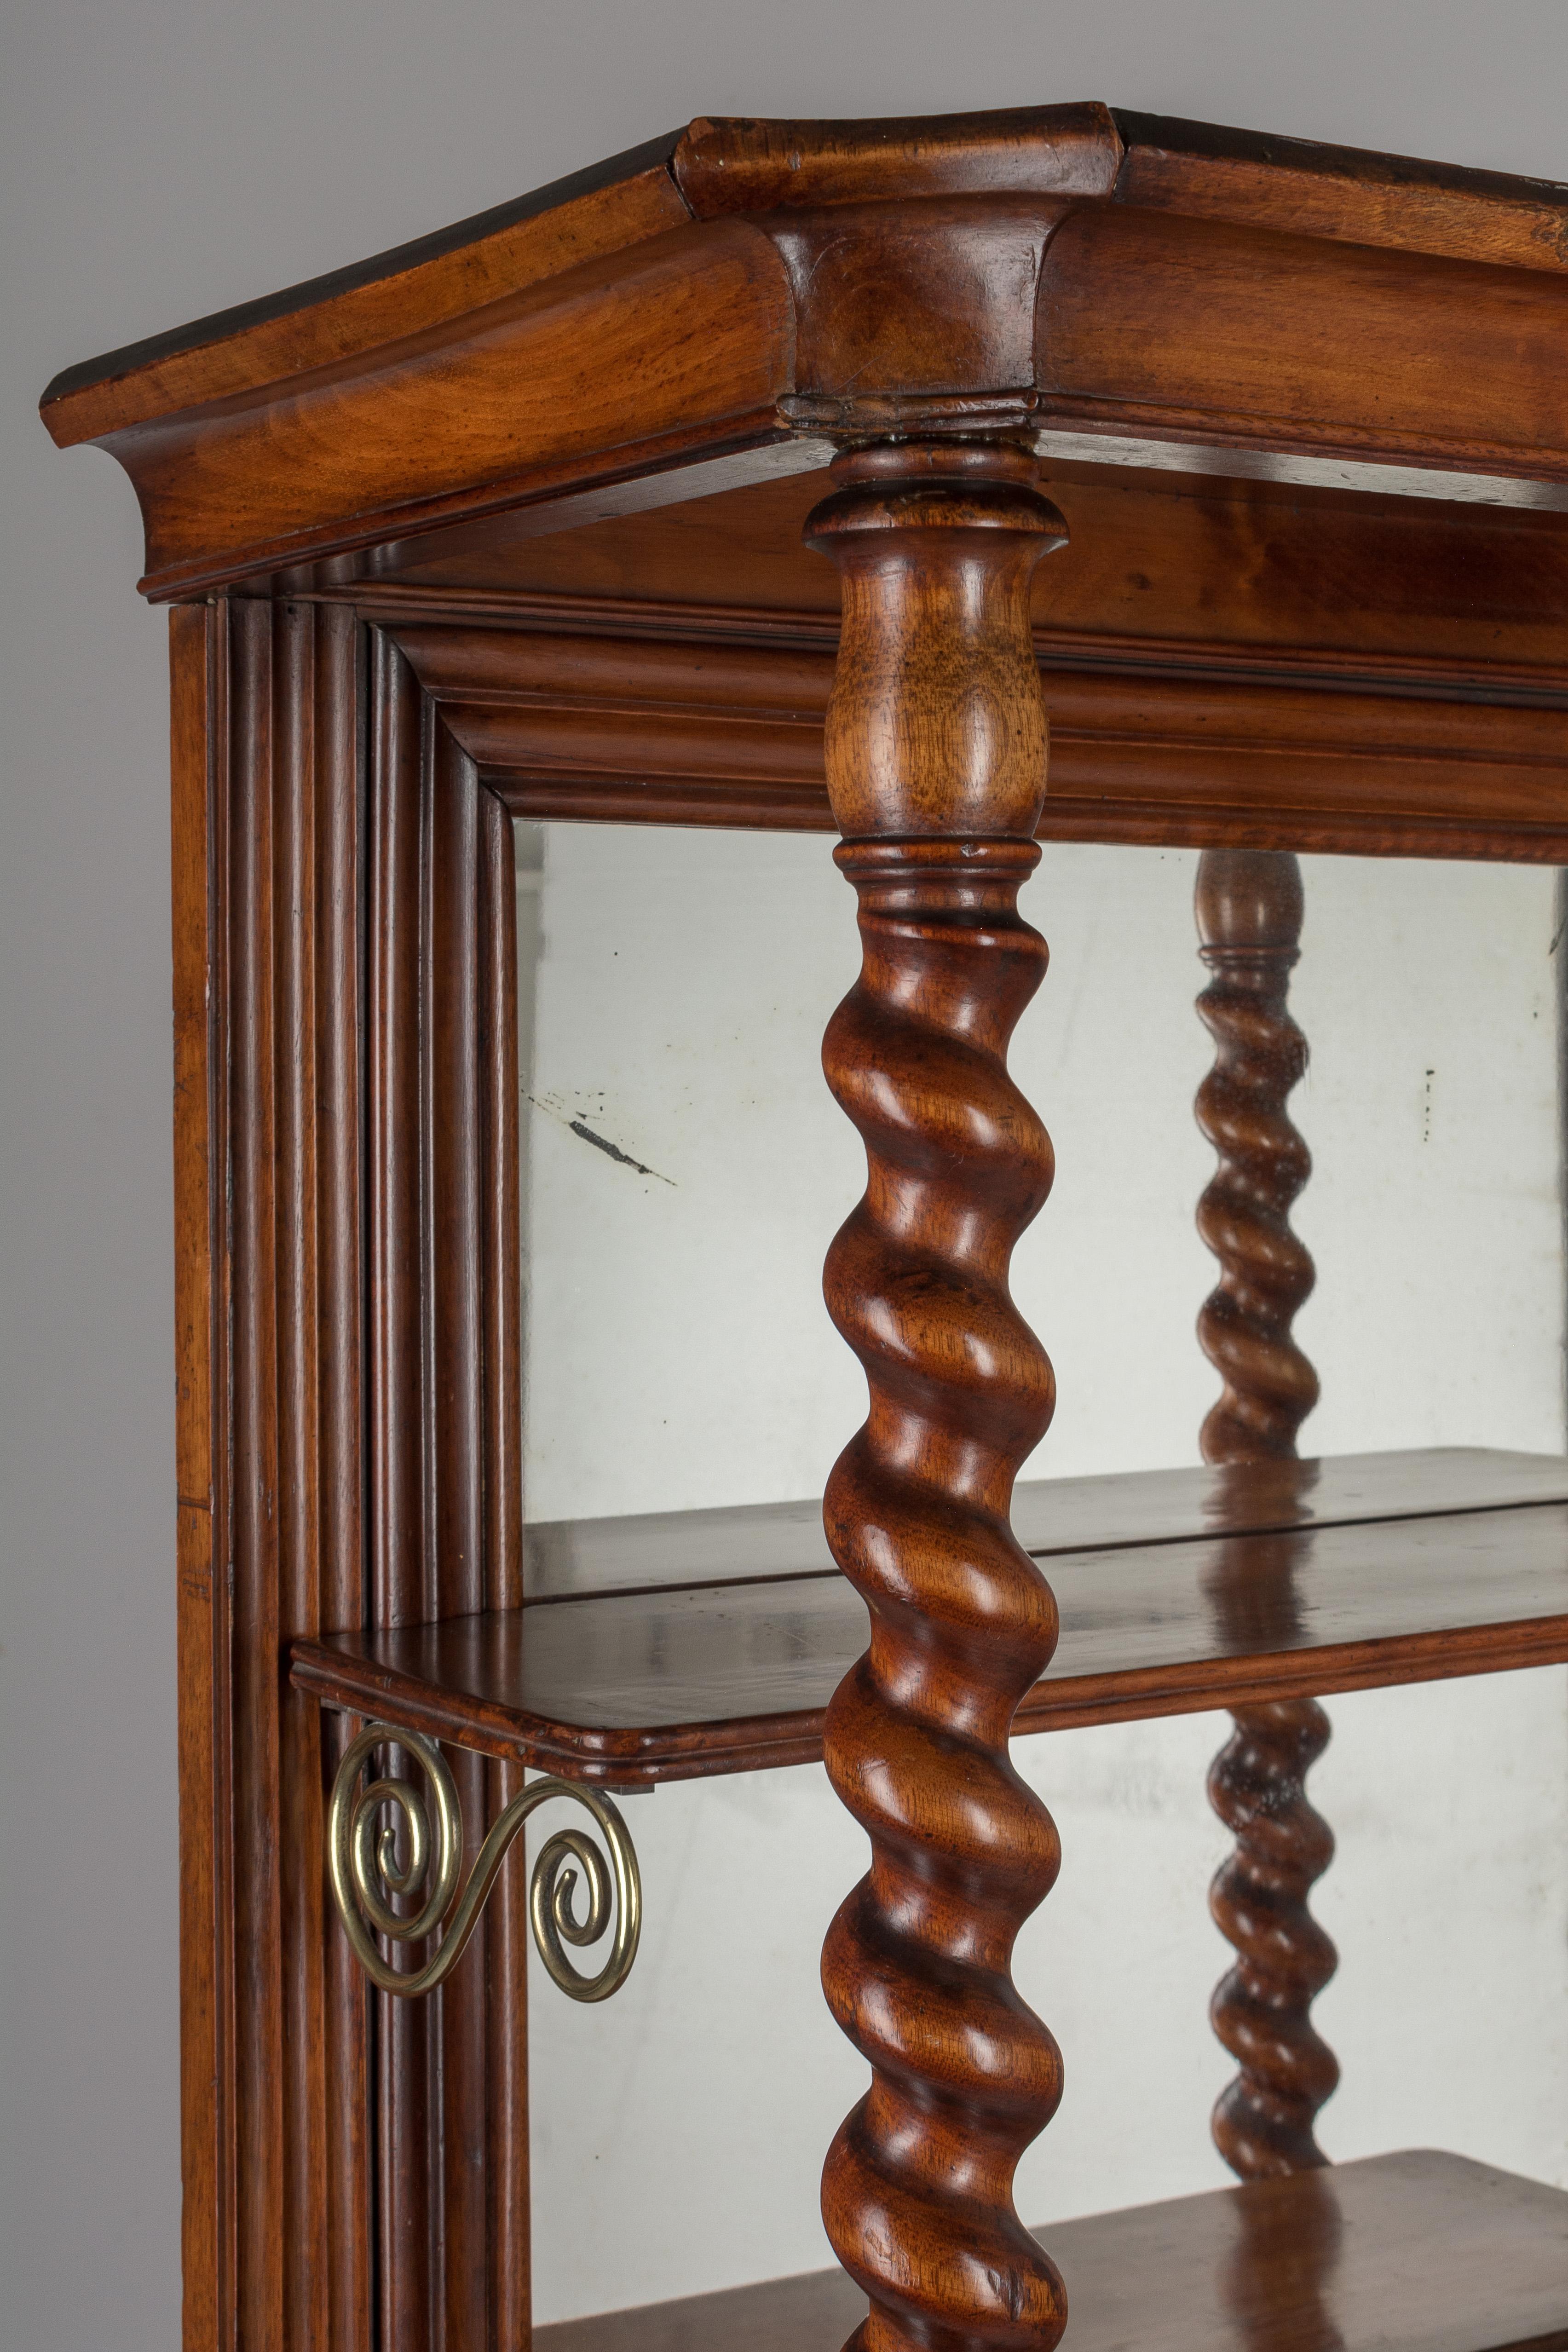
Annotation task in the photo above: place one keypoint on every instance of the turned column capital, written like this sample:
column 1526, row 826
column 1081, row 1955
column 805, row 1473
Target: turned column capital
column 1249, row 904
column 936, row 723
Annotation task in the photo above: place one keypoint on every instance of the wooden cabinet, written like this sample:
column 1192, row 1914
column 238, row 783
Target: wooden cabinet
column 801, row 476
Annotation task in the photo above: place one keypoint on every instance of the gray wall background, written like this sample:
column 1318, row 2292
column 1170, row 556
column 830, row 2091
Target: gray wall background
column 159, row 159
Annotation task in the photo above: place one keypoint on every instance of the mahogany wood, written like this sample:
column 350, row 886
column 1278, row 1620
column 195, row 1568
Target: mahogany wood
column 206, row 2058
column 1413, row 2252
column 714, row 298
column 674, row 1683
column 756, row 1542
column 1160, row 566
column 1158, row 163
column 1249, row 909
column 1164, row 325
column 740, row 165
column 686, row 340
column 1249, row 924
column 936, row 766
column 444, row 1438
column 416, row 286
column 1264, row 2121
column 394, row 1436
column 512, row 449
column 624, row 727
column 1311, row 190
column 268, row 1161
column 505, row 2170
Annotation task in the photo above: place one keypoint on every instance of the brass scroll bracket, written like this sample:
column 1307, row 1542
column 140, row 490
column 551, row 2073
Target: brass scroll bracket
column 363, row 1828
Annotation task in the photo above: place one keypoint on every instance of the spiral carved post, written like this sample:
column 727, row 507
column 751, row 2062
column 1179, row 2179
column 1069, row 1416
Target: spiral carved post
column 936, row 763
column 1249, row 923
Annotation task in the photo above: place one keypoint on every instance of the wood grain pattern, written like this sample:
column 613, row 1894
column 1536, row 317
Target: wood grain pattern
column 1264, row 2121
column 394, row 1450
column 321, row 1562
column 375, row 449
column 507, row 1932
column 917, row 2191
column 936, row 766
column 1412, row 2252
column 752, row 1542
column 281, row 747
column 1155, row 323
column 729, row 165
column 873, row 354
column 711, row 168
column 445, row 1432
column 1311, row 190
column 627, row 728
column 197, row 652
column 1249, row 926
column 328, row 320
column 616, row 369
column 1249, row 908
column 677, row 1683
column 854, row 277
column 1160, row 568
column 737, row 163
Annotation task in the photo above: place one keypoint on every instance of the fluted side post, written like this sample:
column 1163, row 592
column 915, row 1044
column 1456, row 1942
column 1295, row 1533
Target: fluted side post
column 1249, row 924
column 936, row 763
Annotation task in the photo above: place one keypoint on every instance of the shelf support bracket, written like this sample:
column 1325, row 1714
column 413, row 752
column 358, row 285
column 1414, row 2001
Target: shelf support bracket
column 366, row 1876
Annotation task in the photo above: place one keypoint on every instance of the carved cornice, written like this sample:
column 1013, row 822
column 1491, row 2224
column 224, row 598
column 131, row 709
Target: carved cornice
column 711, row 297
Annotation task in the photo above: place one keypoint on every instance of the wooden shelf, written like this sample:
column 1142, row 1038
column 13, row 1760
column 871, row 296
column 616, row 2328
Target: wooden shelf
column 1178, row 1591
column 1413, row 2252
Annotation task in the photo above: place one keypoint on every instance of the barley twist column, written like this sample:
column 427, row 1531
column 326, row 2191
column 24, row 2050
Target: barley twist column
column 1249, row 923
column 936, row 759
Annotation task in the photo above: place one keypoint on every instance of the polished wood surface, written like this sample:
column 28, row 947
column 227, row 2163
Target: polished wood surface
column 1308, row 189
column 1264, row 2121
column 1157, row 163
column 501, row 524
column 277, row 2131
column 734, row 297
column 1249, row 909
column 206, row 2039
column 566, row 1558
column 394, row 294
column 1169, row 328
column 665, row 1683
column 1167, row 568
column 601, row 721
column 936, row 768
column 1412, row 2252
column 444, row 1442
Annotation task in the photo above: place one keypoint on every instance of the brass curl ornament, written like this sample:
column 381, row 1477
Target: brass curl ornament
column 362, row 1853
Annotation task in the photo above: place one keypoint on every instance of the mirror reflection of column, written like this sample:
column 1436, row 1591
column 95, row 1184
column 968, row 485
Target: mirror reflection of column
column 1285, row 2256
column 936, row 768
column 1249, row 907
